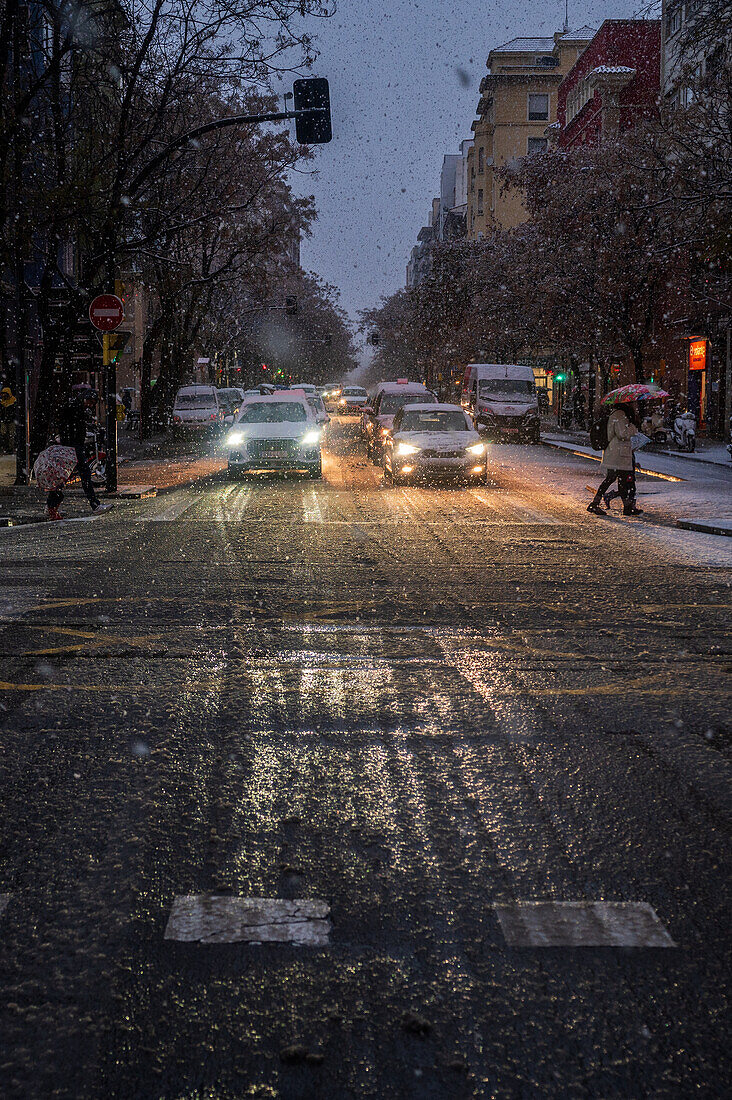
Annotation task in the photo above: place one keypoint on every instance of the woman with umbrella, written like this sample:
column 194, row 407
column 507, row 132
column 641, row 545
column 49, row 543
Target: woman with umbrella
column 617, row 457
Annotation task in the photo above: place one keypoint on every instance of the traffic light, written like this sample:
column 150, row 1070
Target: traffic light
column 291, row 305
column 560, row 378
column 373, row 339
column 312, row 94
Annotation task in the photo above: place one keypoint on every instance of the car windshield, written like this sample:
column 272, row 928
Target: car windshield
column 392, row 402
column 441, row 420
column 274, row 412
column 354, row 391
column 230, row 396
column 505, row 385
column 195, row 401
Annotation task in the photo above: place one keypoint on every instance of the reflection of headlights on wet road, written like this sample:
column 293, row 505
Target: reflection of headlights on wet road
column 310, row 439
column 406, row 449
column 233, row 439
column 475, row 449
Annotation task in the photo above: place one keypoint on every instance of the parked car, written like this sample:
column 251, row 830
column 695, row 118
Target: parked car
column 428, row 440
column 389, row 398
column 352, row 400
column 501, row 398
column 197, row 409
column 275, row 432
column 230, row 399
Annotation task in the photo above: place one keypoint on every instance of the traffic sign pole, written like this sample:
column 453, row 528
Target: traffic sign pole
column 109, row 360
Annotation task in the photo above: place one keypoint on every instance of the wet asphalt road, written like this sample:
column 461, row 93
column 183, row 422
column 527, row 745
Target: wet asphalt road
column 414, row 704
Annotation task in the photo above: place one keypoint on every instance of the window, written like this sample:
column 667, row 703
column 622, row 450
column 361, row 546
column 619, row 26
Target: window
column 673, row 20
column 536, row 145
column 480, row 200
column 539, row 107
column 481, row 159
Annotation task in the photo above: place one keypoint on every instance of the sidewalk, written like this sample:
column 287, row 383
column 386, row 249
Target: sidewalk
column 707, row 450
column 156, row 463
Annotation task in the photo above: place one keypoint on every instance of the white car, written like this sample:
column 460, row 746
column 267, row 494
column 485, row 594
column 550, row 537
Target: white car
column 352, row 400
column 431, row 440
column 276, row 432
column 197, row 409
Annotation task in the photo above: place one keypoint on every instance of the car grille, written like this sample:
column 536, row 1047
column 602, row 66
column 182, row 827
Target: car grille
column 264, row 448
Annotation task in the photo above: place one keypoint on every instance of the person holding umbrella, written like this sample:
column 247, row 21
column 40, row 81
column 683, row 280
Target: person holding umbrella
column 617, row 460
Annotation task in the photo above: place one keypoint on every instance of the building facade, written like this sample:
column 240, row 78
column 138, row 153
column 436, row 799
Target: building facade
column 518, row 101
column 447, row 219
column 615, row 82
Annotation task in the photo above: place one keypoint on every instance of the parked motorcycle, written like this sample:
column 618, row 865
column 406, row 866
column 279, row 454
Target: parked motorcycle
column 683, row 435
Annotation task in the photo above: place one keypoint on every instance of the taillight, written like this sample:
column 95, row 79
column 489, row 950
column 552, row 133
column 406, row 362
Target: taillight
column 176, row 420
column 213, row 416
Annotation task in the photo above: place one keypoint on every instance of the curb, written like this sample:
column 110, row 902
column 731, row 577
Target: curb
column 707, row 526
column 641, row 471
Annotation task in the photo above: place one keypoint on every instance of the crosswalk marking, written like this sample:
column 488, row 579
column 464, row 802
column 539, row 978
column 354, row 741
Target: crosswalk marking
column 170, row 512
column 206, row 918
column 582, row 924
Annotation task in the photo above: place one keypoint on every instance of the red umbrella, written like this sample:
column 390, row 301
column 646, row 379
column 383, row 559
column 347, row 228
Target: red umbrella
column 637, row 391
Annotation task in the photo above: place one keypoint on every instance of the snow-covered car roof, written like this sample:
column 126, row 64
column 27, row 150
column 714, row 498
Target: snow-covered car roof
column 402, row 387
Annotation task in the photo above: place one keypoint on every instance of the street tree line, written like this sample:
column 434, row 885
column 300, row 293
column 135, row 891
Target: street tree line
column 101, row 182
column 620, row 240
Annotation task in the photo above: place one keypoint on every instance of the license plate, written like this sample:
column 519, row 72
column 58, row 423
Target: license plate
column 510, row 429
column 274, row 454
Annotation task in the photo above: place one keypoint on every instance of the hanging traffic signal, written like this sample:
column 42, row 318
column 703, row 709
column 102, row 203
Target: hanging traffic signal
column 312, row 94
column 291, row 305
column 560, row 378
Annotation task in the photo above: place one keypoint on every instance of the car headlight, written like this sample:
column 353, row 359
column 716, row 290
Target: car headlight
column 384, row 431
column 407, row 449
column 475, row 448
column 233, row 439
column 342, row 401
column 310, row 439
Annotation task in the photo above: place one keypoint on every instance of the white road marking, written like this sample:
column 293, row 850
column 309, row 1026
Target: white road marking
column 515, row 506
column 582, row 924
column 171, row 511
column 312, row 512
column 204, row 918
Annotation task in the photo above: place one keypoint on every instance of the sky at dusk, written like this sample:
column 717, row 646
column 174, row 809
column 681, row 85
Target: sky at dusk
column 399, row 104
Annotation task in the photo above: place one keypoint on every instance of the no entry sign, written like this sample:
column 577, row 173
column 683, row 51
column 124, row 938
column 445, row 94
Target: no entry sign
column 107, row 312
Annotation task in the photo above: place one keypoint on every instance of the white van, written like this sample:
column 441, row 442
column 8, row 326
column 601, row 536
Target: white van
column 197, row 409
column 501, row 398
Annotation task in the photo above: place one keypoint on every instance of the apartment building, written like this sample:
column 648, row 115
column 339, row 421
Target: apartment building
column 614, row 83
column 518, row 101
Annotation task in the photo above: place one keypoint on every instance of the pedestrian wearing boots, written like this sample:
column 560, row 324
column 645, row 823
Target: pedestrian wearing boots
column 72, row 433
column 617, row 460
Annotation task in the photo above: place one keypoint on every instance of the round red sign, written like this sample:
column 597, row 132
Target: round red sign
column 107, row 312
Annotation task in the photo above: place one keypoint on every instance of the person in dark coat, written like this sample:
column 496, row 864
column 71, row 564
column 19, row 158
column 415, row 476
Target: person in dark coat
column 72, row 433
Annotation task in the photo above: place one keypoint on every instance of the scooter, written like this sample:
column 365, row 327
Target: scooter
column 683, row 434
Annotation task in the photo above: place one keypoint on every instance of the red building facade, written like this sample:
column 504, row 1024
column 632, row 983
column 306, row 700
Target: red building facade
column 616, row 81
